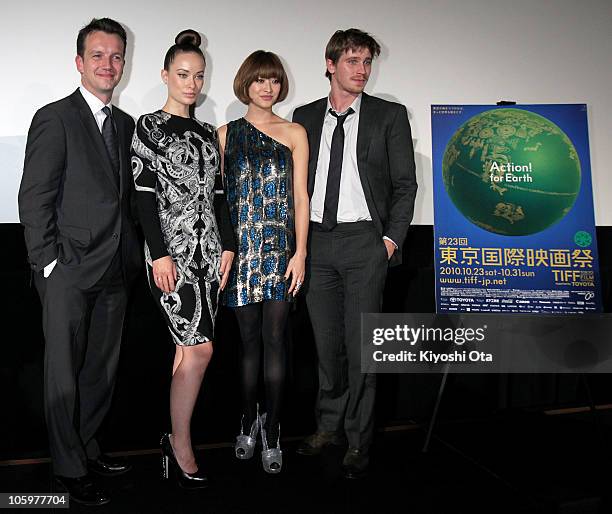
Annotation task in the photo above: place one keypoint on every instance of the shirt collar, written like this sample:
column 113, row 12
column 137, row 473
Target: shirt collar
column 95, row 104
column 355, row 105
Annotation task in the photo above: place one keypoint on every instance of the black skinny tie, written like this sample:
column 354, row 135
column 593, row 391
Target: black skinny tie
column 109, row 134
column 332, row 190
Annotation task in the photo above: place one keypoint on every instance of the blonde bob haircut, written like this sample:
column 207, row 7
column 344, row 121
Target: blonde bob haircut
column 260, row 64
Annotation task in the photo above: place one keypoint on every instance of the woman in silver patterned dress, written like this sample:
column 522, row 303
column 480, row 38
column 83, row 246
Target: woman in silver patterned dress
column 265, row 167
column 189, row 241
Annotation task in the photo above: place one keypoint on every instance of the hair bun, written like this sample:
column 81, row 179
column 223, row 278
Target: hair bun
column 188, row 37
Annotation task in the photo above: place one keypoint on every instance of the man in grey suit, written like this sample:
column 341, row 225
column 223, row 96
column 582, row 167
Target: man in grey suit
column 75, row 206
column 362, row 184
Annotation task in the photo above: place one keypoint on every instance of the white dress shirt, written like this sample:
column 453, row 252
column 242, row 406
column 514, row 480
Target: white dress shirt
column 96, row 105
column 352, row 205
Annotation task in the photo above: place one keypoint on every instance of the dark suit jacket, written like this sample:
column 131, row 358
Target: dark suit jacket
column 385, row 159
column 69, row 202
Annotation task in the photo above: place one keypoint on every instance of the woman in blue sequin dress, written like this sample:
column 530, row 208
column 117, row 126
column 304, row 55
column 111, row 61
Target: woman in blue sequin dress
column 265, row 161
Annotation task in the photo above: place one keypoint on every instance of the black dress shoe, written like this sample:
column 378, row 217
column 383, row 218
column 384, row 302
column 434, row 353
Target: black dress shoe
column 108, row 466
column 314, row 444
column 83, row 490
column 355, row 464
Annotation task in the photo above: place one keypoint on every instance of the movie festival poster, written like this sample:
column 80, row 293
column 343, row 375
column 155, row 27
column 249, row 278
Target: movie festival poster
column 514, row 229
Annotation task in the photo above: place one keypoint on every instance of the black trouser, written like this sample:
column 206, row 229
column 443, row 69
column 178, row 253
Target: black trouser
column 348, row 268
column 82, row 329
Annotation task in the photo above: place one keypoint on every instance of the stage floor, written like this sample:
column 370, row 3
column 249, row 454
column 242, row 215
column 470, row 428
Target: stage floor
column 511, row 463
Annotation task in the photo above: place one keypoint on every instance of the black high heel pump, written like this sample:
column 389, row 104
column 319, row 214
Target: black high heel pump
column 197, row 480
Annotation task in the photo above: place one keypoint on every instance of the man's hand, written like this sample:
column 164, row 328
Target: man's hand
column 390, row 248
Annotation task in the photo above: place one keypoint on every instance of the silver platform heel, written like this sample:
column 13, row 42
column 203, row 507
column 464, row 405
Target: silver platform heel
column 271, row 458
column 245, row 444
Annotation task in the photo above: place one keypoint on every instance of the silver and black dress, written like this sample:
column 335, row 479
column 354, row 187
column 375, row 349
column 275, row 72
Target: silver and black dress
column 258, row 174
column 184, row 214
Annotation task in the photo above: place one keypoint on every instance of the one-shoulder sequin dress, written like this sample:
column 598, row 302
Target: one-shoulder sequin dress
column 258, row 174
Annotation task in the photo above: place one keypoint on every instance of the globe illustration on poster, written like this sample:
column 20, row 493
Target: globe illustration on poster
column 511, row 172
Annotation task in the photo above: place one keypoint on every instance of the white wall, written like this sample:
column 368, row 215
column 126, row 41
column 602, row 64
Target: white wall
column 436, row 51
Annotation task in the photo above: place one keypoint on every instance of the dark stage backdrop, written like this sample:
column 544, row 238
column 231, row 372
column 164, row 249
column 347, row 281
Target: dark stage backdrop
column 140, row 409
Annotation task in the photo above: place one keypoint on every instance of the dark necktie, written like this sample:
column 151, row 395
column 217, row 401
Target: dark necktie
column 332, row 190
column 109, row 134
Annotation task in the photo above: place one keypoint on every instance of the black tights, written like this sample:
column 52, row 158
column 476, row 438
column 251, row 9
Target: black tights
column 263, row 321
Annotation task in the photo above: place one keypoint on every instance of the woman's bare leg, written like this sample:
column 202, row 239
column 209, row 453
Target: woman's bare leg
column 188, row 372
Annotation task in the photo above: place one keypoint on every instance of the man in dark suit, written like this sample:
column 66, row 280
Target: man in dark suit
column 75, row 206
column 362, row 184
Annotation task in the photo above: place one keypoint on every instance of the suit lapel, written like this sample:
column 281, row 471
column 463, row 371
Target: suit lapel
column 318, row 117
column 367, row 121
column 95, row 137
column 122, row 133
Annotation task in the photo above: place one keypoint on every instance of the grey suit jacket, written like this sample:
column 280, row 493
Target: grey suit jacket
column 385, row 159
column 69, row 202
